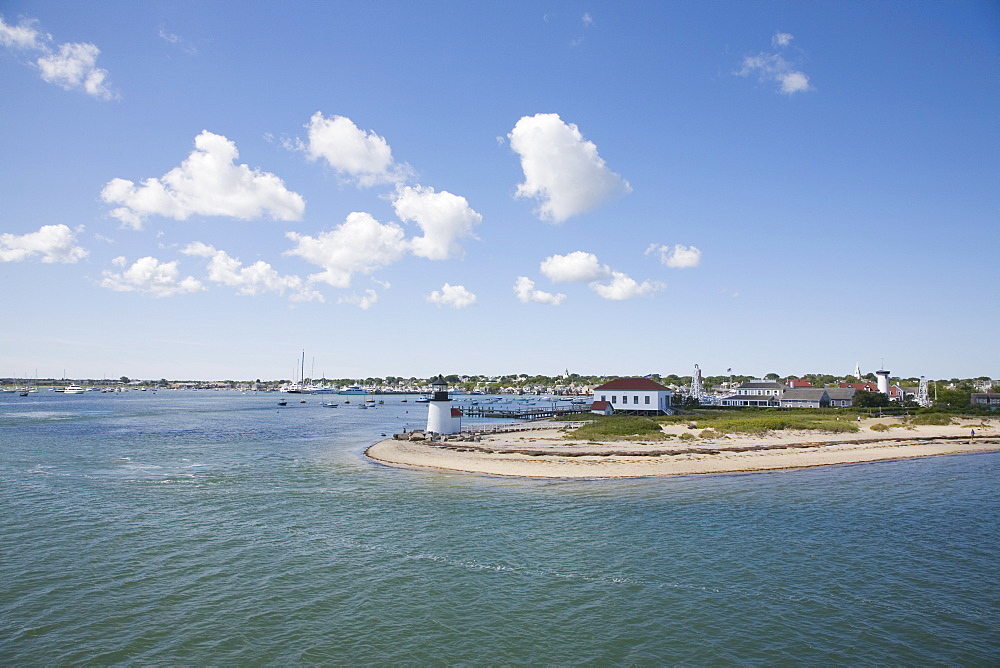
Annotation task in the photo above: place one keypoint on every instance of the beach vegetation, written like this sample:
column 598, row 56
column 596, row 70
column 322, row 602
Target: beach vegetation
column 940, row 419
column 870, row 400
column 619, row 427
column 761, row 422
column 710, row 434
column 686, row 437
column 880, row 427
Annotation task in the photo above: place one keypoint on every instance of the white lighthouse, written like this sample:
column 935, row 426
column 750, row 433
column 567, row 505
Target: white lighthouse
column 883, row 381
column 441, row 417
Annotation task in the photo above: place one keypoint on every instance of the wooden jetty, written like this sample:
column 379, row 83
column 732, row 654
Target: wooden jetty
column 534, row 413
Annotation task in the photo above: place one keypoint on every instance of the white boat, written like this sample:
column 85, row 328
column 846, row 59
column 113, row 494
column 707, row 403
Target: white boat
column 352, row 389
column 422, row 400
column 73, row 389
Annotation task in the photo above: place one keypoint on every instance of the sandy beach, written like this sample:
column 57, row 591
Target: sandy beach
column 548, row 453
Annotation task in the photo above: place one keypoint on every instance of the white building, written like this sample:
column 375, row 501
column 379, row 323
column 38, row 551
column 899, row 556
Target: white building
column 634, row 395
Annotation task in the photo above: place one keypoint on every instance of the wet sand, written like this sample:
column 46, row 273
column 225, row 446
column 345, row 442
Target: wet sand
column 547, row 453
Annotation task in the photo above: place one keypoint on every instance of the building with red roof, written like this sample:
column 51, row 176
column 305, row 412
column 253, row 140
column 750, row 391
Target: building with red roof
column 632, row 396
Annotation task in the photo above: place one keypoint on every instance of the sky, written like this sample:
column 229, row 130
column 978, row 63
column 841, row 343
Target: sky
column 204, row 190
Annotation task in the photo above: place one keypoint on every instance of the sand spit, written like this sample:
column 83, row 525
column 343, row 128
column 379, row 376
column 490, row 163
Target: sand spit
column 547, row 453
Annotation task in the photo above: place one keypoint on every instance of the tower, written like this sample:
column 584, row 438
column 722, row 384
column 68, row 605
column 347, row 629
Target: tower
column 696, row 389
column 922, row 397
column 441, row 417
column 857, row 371
column 883, row 381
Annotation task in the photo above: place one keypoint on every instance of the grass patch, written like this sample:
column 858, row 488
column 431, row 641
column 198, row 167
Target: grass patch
column 880, row 427
column 619, row 428
column 939, row 419
column 734, row 422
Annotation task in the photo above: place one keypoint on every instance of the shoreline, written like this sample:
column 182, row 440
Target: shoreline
column 546, row 453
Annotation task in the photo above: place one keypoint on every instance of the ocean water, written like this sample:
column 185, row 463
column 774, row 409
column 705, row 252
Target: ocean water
column 217, row 528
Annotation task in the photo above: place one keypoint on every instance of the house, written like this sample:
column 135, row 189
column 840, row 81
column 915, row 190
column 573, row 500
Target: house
column 986, row 400
column 841, row 397
column 763, row 387
column 601, row 408
column 750, row 400
column 755, row 393
column 798, row 382
column 634, row 396
column 861, row 387
column 805, row 397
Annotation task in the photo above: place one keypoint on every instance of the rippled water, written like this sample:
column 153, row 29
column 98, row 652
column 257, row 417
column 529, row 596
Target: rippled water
column 203, row 527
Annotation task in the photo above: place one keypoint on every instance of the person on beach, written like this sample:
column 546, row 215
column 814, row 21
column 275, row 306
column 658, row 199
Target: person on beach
column 973, row 434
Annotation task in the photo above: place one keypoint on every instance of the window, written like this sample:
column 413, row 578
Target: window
column 614, row 399
column 647, row 399
column 624, row 399
column 603, row 398
column 635, row 400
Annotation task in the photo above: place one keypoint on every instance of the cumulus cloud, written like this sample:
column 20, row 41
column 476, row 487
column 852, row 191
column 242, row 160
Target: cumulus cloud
column 623, row 287
column 678, row 257
column 72, row 66
column 207, row 183
column 23, row 36
column 525, row 290
column 75, row 66
column 773, row 67
column 360, row 244
column 445, row 219
column 455, row 296
column 148, row 275
column 575, row 267
column 256, row 279
column 561, row 169
column 360, row 156
column 55, row 243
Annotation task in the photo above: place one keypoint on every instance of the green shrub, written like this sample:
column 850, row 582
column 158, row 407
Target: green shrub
column 686, row 437
column 932, row 418
column 879, row 427
column 709, row 433
column 619, row 427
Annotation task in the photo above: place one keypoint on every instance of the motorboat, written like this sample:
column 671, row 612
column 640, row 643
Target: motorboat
column 73, row 389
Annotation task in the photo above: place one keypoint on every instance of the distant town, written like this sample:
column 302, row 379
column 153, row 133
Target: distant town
column 732, row 390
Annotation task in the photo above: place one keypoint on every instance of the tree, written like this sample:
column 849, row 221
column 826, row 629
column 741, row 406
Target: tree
column 772, row 376
column 954, row 400
column 124, row 380
column 870, row 400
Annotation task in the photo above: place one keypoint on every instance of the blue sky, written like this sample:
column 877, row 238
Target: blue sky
column 203, row 190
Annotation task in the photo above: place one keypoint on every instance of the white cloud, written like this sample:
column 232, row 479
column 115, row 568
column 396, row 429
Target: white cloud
column 364, row 157
column 782, row 39
column 774, row 67
column 72, row 66
column 575, row 267
column 678, row 257
column 75, row 66
column 148, row 275
column 456, row 296
column 525, row 290
column 22, row 36
column 364, row 302
column 444, row 218
column 623, row 287
column 360, row 244
column 561, row 168
column 256, row 279
column 178, row 41
column 55, row 243
column 207, row 183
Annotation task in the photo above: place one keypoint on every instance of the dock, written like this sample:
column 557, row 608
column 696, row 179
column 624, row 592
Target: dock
column 534, row 413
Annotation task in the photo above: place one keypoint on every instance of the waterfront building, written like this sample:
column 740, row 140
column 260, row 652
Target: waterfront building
column 633, row 396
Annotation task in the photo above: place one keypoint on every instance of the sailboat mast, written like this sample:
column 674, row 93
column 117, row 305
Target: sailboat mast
column 302, row 377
